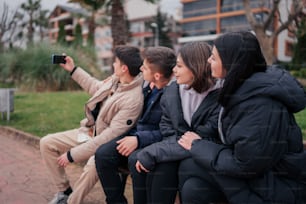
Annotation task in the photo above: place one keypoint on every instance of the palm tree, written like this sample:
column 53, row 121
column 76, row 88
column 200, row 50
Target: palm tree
column 118, row 18
column 93, row 6
column 31, row 7
column 42, row 22
column 118, row 25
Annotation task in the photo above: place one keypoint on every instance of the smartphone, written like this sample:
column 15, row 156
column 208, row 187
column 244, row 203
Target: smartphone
column 58, row 59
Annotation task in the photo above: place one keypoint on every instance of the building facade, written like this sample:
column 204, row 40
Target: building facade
column 205, row 20
column 142, row 33
column 68, row 17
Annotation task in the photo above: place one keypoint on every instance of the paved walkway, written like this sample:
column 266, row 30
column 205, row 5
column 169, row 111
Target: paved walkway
column 23, row 175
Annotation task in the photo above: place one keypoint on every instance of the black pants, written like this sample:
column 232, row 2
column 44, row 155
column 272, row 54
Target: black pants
column 196, row 185
column 108, row 160
column 158, row 186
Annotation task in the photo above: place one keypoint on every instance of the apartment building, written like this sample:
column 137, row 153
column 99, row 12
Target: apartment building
column 69, row 17
column 205, row 20
column 142, row 30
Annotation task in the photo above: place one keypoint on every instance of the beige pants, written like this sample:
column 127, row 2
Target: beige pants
column 54, row 145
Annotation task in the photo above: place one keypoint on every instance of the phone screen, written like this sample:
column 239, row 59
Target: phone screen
column 58, row 59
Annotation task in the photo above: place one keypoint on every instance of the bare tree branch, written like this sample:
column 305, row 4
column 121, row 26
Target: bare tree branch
column 249, row 14
column 7, row 24
column 271, row 15
column 297, row 10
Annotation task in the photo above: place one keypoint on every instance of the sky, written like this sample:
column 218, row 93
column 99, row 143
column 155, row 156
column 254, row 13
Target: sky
column 168, row 6
column 46, row 4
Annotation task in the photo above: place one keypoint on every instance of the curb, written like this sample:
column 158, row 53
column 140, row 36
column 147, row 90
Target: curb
column 20, row 135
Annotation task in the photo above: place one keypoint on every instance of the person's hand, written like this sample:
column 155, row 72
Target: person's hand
column 127, row 145
column 140, row 167
column 63, row 160
column 69, row 65
column 186, row 140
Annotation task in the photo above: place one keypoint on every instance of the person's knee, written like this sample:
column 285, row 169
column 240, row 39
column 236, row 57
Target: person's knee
column 101, row 154
column 106, row 157
column 44, row 143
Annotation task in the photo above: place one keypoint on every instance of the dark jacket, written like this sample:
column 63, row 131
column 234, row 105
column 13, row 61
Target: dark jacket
column 262, row 160
column 147, row 128
column 173, row 126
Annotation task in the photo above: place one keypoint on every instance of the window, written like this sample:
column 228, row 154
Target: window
column 235, row 5
column 199, row 8
column 205, row 27
column 288, row 49
column 234, row 23
column 136, row 27
column 231, row 5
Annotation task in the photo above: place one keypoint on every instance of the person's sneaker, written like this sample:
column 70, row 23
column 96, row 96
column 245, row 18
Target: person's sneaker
column 59, row 198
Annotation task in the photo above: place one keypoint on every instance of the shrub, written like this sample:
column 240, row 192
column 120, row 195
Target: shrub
column 31, row 69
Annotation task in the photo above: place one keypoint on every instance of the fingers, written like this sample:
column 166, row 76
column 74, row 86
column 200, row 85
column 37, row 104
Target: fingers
column 126, row 145
column 190, row 135
column 62, row 160
column 125, row 152
column 140, row 168
column 185, row 142
column 120, row 148
column 137, row 166
column 69, row 65
column 120, row 141
column 144, row 169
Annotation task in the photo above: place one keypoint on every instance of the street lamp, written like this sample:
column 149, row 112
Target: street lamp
column 156, row 40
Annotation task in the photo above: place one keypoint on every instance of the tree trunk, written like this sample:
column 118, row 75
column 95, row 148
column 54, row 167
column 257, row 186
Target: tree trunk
column 91, row 29
column 118, row 25
column 267, row 45
column 30, row 30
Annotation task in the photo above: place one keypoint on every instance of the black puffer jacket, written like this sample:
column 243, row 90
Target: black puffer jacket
column 262, row 160
column 173, row 126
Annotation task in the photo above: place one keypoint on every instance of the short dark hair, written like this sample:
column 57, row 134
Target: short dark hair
column 163, row 57
column 130, row 56
column 195, row 56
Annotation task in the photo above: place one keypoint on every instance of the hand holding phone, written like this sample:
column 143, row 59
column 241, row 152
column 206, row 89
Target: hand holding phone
column 58, row 59
column 64, row 61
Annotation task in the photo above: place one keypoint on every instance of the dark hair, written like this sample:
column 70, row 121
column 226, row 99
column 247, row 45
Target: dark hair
column 163, row 57
column 241, row 56
column 195, row 56
column 130, row 56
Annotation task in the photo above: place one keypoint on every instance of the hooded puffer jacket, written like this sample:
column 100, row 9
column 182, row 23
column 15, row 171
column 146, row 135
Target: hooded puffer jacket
column 262, row 159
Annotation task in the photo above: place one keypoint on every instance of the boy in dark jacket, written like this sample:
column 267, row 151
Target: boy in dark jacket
column 157, row 70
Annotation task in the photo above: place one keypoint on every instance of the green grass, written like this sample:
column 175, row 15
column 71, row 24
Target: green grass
column 48, row 112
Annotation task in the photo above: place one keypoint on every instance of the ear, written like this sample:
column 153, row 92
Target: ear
column 124, row 68
column 157, row 76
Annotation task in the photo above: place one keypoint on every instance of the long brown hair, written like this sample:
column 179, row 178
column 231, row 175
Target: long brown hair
column 195, row 56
